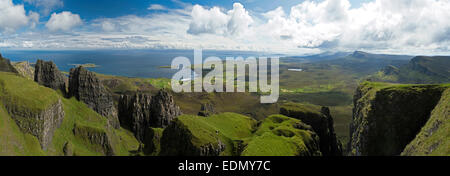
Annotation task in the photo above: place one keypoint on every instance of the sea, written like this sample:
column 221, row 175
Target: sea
column 129, row 63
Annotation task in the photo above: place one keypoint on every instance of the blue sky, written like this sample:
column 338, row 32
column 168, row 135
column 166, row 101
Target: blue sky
column 91, row 9
column 287, row 26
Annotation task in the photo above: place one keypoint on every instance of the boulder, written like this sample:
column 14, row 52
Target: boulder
column 86, row 87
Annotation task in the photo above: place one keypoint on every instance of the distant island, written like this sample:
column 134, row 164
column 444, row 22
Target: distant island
column 86, row 65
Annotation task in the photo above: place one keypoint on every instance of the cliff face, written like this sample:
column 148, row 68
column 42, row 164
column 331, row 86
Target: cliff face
column 434, row 137
column 86, row 87
column 386, row 117
column 48, row 75
column 5, row 65
column 99, row 139
column 140, row 112
column 41, row 124
column 135, row 113
column 321, row 122
column 164, row 109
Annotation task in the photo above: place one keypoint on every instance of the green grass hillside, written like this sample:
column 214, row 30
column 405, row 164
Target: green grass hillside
column 279, row 135
column 29, row 96
column 241, row 135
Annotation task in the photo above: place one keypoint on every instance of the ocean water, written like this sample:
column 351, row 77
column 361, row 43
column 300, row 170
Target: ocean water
column 130, row 63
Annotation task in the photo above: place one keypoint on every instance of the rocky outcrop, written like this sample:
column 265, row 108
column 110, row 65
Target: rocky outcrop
column 67, row 149
column 164, row 109
column 98, row 138
column 434, row 137
column 24, row 69
column 142, row 111
column 386, row 117
column 86, row 87
column 206, row 110
column 135, row 113
column 41, row 124
column 321, row 123
column 48, row 75
column 5, row 65
column 177, row 140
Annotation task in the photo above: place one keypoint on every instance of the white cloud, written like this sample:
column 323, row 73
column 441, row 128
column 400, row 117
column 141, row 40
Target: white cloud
column 12, row 16
column 34, row 19
column 46, row 6
column 156, row 7
column 63, row 21
column 403, row 26
column 378, row 25
column 214, row 21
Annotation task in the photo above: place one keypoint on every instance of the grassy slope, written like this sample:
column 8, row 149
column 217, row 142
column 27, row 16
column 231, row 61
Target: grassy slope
column 231, row 126
column 275, row 136
column 29, row 95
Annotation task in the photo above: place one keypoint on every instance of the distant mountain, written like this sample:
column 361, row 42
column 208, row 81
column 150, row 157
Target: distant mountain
column 366, row 63
column 364, row 55
column 420, row 70
column 316, row 57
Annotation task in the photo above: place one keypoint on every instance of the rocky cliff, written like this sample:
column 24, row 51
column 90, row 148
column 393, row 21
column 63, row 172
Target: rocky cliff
column 99, row 139
column 135, row 113
column 434, row 137
column 5, row 65
column 47, row 74
column 320, row 121
column 386, row 117
column 140, row 112
column 41, row 124
column 164, row 109
column 86, row 87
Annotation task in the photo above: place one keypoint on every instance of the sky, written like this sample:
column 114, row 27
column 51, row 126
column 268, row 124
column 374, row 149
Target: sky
column 282, row 26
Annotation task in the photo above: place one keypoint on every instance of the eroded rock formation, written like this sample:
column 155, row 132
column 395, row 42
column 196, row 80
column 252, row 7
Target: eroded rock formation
column 86, row 87
column 47, row 74
column 140, row 112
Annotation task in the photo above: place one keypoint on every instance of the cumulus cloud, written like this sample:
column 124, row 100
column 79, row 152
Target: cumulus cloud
column 63, row 21
column 214, row 21
column 46, row 6
column 381, row 24
column 156, row 7
column 12, row 16
column 402, row 26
